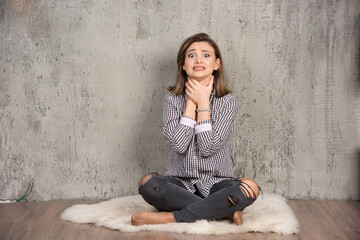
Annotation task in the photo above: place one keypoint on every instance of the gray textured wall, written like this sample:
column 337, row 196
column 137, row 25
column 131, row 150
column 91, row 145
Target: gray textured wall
column 82, row 85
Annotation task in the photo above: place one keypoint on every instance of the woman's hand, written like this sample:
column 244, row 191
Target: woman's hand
column 200, row 92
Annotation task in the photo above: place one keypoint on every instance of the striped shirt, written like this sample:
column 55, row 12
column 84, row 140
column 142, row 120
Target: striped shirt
column 200, row 151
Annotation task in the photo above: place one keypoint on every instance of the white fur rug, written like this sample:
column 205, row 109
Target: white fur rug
column 270, row 214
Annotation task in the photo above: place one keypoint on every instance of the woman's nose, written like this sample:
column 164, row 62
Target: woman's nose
column 198, row 60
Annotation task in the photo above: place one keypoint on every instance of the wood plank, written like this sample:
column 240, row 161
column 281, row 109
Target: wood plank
column 13, row 218
column 343, row 214
column 317, row 221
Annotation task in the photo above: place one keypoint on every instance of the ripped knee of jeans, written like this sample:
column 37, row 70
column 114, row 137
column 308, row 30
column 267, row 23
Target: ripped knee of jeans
column 146, row 178
column 249, row 188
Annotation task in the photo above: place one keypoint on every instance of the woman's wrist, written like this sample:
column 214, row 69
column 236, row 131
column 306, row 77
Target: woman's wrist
column 190, row 104
column 203, row 105
column 190, row 109
column 205, row 115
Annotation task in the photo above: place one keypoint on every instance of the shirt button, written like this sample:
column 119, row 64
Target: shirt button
column 195, row 171
column 194, row 157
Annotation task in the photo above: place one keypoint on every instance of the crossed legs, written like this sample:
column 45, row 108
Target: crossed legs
column 227, row 199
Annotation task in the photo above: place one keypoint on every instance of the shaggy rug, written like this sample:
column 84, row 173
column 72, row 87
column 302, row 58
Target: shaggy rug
column 268, row 214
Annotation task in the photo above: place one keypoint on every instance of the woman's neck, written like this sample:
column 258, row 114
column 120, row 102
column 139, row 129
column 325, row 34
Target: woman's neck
column 200, row 79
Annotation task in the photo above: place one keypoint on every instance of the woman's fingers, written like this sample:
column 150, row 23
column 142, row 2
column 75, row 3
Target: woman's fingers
column 190, row 95
column 199, row 90
column 189, row 87
column 192, row 83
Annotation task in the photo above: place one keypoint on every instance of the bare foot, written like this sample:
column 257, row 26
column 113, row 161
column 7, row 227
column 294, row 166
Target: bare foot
column 142, row 218
column 237, row 218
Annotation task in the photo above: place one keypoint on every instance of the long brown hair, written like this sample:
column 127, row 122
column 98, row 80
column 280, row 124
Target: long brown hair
column 220, row 84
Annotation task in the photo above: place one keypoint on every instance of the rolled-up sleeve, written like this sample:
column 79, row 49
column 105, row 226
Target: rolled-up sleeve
column 213, row 135
column 178, row 129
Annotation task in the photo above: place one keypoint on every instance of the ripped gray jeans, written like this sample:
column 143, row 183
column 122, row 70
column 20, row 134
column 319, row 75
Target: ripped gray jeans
column 169, row 194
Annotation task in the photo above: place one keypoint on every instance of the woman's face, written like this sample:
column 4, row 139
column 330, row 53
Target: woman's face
column 200, row 61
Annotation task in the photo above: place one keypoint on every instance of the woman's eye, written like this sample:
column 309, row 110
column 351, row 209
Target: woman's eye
column 191, row 55
column 207, row 55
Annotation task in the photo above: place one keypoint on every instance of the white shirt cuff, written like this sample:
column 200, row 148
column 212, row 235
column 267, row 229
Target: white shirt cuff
column 203, row 128
column 188, row 122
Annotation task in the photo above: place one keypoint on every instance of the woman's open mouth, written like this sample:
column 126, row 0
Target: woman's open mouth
column 199, row 68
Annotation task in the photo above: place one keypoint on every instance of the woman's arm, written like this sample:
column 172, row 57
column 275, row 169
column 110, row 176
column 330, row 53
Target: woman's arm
column 190, row 109
column 213, row 135
column 178, row 127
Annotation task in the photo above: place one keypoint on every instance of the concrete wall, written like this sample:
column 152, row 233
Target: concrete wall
column 82, row 85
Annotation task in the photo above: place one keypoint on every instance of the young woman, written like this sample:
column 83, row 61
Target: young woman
column 199, row 118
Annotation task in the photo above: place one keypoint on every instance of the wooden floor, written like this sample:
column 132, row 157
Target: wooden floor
column 40, row 220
